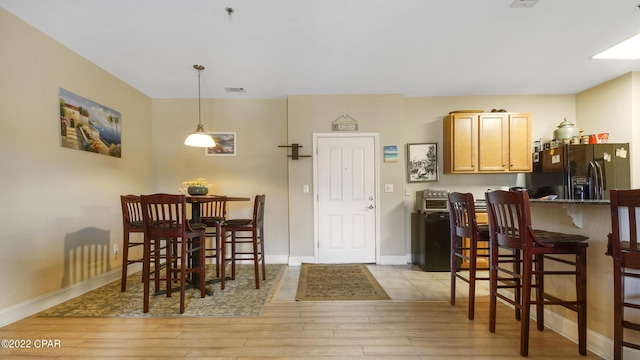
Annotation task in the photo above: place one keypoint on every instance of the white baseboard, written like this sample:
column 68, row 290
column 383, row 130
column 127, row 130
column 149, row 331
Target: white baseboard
column 45, row 301
column 383, row 260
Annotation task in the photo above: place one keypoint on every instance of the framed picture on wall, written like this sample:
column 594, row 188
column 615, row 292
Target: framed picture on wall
column 88, row 126
column 422, row 162
column 226, row 144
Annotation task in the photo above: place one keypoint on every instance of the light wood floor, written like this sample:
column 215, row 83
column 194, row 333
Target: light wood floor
column 396, row 329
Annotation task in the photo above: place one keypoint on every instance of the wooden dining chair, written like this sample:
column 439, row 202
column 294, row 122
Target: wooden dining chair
column 623, row 247
column 132, row 223
column 238, row 229
column 468, row 243
column 510, row 229
column 165, row 219
column 213, row 213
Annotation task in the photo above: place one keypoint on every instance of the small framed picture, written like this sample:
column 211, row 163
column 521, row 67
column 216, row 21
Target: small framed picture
column 390, row 153
column 226, row 144
column 422, row 162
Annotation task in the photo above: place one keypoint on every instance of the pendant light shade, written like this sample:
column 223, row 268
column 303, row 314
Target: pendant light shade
column 199, row 137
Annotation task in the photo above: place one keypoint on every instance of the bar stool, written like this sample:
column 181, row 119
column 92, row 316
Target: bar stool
column 510, row 228
column 623, row 247
column 132, row 222
column 212, row 214
column 465, row 229
column 165, row 219
column 238, row 229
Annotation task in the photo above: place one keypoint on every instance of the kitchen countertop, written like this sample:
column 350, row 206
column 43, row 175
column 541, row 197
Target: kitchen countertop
column 568, row 201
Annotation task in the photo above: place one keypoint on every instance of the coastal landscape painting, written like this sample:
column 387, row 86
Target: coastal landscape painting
column 226, row 144
column 89, row 126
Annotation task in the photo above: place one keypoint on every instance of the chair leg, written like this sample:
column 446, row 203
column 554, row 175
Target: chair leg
column 125, row 261
column 264, row 266
column 146, row 271
column 525, row 305
column 539, row 264
column 203, row 267
column 217, row 240
column 493, row 287
column 618, row 298
column 233, row 255
column 223, row 261
column 517, row 269
column 454, row 271
column 256, row 267
column 581, row 290
column 182, row 270
column 472, row 283
column 156, row 262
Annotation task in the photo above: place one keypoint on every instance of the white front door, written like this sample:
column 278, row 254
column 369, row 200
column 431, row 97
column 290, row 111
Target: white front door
column 346, row 207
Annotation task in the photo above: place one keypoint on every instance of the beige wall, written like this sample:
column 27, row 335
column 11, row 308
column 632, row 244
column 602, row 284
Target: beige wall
column 423, row 123
column 56, row 201
column 613, row 107
column 259, row 167
column 382, row 114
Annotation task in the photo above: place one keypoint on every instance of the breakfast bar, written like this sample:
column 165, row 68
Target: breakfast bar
column 589, row 218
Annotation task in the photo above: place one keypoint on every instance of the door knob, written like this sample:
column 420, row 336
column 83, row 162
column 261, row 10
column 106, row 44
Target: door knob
column 370, row 206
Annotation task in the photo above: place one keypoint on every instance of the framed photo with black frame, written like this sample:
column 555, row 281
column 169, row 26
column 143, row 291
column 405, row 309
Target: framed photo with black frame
column 422, row 162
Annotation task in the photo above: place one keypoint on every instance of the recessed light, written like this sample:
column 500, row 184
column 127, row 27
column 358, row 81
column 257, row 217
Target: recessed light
column 523, row 3
column 626, row 50
column 235, row 90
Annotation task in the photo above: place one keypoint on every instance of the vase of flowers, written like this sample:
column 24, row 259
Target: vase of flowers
column 198, row 186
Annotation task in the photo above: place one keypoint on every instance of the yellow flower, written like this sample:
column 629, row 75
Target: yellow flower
column 196, row 182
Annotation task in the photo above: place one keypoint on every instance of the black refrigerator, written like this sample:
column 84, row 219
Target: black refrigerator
column 580, row 172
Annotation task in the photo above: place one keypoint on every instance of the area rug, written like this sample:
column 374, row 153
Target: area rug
column 239, row 298
column 319, row 282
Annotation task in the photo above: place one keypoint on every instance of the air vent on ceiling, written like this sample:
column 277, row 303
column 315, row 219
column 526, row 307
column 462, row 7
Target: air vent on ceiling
column 235, row 90
column 523, row 3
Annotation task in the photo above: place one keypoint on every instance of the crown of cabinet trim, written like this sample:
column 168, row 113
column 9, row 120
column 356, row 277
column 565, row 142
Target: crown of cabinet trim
column 487, row 143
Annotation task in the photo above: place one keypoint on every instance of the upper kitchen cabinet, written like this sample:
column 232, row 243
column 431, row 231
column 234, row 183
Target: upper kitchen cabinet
column 487, row 143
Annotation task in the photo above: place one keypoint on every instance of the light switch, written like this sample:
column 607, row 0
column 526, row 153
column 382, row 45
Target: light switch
column 305, row 188
column 388, row 187
column 407, row 192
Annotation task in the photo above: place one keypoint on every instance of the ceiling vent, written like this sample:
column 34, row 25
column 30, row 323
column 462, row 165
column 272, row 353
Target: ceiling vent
column 524, row 3
column 235, row 90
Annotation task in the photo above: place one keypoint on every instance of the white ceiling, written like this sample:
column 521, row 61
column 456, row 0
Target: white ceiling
column 275, row 48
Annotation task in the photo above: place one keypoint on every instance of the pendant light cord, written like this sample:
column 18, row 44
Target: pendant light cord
column 199, row 106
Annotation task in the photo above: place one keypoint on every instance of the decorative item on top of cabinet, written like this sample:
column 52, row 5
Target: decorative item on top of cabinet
column 498, row 142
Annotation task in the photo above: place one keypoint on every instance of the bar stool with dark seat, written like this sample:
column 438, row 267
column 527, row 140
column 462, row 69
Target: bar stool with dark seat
column 165, row 219
column 238, row 229
column 468, row 243
column 213, row 214
column 510, row 228
column 132, row 222
column 623, row 247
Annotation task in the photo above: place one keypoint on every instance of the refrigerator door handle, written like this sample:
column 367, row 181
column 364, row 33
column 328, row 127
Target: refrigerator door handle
column 594, row 179
column 600, row 183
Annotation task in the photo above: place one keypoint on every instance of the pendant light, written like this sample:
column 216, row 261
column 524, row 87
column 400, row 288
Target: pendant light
column 199, row 137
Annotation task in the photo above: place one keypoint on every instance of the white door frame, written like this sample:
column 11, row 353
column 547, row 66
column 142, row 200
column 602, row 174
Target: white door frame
column 376, row 160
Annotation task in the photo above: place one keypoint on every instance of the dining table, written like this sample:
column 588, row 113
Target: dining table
column 195, row 201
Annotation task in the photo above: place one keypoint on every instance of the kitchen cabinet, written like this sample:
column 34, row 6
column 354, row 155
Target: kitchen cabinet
column 487, row 143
